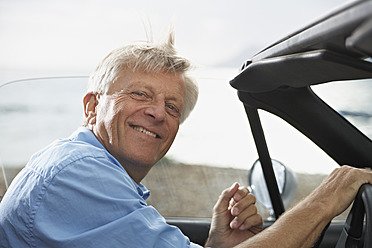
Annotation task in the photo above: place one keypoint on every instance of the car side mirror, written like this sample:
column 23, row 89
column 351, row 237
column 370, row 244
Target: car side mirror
column 285, row 178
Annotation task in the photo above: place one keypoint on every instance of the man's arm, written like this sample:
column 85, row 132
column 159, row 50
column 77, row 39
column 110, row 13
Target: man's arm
column 302, row 225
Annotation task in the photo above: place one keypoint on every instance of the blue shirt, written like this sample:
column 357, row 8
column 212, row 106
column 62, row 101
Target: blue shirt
column 74, row 193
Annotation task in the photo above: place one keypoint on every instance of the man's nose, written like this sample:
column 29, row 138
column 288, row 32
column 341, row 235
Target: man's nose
column 156, row 111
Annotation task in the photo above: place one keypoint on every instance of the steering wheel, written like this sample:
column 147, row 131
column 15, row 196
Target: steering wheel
column 352, row 234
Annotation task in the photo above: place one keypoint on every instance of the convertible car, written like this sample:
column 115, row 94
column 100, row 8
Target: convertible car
column 282, row 79
column 287, row 79
column 317, row 80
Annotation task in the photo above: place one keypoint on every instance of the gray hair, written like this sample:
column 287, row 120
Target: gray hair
column 148, row 57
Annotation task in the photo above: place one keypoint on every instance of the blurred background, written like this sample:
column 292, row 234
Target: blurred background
column 71, row 36
column 42, row 38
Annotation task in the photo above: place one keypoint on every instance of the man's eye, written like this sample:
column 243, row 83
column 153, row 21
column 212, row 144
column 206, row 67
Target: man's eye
column 173, row 110
column 139, row 93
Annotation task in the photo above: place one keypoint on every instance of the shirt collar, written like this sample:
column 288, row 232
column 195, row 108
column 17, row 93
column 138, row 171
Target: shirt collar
column 85, row 135
column 143, row 191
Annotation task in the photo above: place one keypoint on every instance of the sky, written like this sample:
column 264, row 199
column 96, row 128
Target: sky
column 41, row 38
column 71, row 36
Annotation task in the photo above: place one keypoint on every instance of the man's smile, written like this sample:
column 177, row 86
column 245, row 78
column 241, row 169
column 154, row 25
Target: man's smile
column 145, row 131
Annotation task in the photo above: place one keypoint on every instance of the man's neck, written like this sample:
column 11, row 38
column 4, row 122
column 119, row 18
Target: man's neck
column 136, row 172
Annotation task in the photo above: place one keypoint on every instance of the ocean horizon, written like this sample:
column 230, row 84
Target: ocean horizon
column 35, row 113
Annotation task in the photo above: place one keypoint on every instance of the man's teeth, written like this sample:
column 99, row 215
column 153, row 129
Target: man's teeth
column 142, row 130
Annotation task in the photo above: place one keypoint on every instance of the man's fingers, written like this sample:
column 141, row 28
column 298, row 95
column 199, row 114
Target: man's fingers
column 246, row 202
column 241, row 193
column 246, row 219
column 224, row 200
column 338, row 190
column 244, row 210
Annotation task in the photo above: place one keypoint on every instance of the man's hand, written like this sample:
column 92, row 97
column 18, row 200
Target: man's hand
column 338, row 190
column 235, row 218
column 297, row 227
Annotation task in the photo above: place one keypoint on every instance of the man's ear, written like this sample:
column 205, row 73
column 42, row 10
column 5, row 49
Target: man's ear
column 90, row 111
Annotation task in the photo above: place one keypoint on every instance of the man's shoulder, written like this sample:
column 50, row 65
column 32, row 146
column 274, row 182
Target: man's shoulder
column 73, row 164
column 70, row 154
column 65, row 151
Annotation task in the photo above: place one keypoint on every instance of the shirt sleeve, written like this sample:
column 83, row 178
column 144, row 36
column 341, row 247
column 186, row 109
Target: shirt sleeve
column 93, row 203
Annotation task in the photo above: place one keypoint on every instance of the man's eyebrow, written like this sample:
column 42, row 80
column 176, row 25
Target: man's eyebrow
column 177, row 97
column 174, row 98
column 132, row 86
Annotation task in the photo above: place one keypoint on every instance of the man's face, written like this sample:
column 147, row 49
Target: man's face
column 138, row 118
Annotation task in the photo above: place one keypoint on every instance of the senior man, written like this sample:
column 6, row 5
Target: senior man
column 86, row 191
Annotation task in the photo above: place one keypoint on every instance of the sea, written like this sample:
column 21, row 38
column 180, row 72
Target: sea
column 35, row 112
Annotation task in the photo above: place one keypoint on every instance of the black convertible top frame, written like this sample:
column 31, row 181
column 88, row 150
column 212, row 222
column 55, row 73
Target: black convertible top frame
column 278, row 80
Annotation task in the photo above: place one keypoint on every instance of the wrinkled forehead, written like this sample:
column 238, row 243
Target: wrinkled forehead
column 171, row 82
